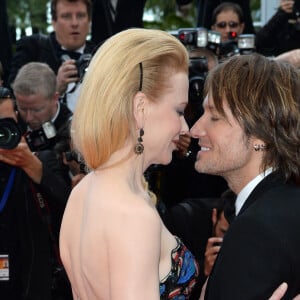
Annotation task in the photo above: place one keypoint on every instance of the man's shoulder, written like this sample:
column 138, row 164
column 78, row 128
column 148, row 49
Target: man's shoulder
column 90, row 47
column 37, row 39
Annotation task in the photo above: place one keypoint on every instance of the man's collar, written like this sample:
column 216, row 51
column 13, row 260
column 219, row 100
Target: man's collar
column 246, row 191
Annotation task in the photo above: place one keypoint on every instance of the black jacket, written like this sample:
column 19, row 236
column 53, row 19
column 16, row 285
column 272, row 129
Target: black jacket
column 24, row 232
column 279, row 35
column 39, row 48
column 128, row 14
column 261, row 248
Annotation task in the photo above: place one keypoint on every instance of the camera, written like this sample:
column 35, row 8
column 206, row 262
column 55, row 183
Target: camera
column 75, row 156
column 198, row 69
column 42, row 138
column 81, row 63
column 10, row 134
column 81, row 66
column 203, row 38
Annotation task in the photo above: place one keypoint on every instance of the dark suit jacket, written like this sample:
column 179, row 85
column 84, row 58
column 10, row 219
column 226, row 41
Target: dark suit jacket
column 39, row 48
column 278, row 35
column 261, row 247
column 24, row 232
column 128, row 14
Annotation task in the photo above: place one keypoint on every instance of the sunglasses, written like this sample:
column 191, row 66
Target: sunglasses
column 230, row 24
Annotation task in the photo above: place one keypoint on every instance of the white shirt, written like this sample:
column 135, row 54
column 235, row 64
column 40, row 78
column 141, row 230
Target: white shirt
column 246, row 191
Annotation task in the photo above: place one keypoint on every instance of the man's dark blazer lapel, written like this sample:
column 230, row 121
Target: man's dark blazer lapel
column 270, row 180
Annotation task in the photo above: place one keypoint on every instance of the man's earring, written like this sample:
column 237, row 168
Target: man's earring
column 139, row 147
column 259, row 147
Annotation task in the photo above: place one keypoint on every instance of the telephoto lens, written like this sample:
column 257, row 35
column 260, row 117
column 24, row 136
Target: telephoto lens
column 10, row 134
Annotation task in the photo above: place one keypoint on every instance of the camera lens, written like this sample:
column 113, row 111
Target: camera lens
column 10, row 134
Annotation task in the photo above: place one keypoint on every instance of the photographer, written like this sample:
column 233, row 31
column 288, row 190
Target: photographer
column 282, row 32
column 41, row 115
column 62, row 48
column 33, row 195
column 228, row 17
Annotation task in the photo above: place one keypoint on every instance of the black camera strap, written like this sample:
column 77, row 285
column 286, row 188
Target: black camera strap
column 44, row 211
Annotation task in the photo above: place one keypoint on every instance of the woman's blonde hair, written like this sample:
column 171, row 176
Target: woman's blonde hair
column 132, row 60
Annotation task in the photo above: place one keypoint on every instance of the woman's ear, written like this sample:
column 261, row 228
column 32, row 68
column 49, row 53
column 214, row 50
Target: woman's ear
column 139, row 103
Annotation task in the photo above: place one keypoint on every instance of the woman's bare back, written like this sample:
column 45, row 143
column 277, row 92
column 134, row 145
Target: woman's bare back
column 111, row 231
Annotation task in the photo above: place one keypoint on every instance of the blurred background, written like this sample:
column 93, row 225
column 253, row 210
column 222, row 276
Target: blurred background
column 31, row 16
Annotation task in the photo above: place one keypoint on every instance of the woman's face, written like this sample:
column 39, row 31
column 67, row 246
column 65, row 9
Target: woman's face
column 228, row 21
column 164, row 121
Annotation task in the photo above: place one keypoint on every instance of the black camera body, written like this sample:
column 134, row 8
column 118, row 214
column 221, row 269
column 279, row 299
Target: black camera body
column 76, row 156
column 81, row 63
column 198, row 70
column 42, row 138
column 10, row 133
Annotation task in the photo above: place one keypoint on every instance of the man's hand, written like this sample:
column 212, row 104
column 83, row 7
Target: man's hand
column 22, row 157
column 66, row 74
column 280, row 291
column 213, row 247
column 183, row 144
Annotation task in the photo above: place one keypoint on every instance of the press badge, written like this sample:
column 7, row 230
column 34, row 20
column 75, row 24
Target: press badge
column 4, row 267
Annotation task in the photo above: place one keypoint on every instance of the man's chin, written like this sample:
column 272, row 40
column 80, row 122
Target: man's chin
column 200, row 168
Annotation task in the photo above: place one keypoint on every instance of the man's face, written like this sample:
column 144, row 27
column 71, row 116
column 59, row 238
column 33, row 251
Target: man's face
column 72, row 24
column 225, row 149
column 35, row 110
column 228, row 21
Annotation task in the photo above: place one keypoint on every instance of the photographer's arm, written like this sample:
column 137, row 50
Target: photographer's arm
column 22, row 157
column 55, row 182
column 264, row 39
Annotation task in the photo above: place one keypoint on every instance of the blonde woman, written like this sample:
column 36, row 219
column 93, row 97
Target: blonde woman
column 129, row 116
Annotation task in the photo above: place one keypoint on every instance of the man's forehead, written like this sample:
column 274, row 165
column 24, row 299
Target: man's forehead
column 32, row 99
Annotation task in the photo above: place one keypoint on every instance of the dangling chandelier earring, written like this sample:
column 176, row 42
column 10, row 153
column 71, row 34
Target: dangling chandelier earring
column 139, row 147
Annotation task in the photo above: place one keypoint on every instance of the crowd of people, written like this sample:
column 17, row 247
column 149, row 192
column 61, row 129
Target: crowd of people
column 118, row 182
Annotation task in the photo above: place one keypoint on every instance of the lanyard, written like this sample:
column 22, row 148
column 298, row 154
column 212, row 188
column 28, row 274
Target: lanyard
column 7, row 189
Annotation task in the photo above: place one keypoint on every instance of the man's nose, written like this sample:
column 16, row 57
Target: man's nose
column 28, row 116
column 74, row 20
column 197, row 130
